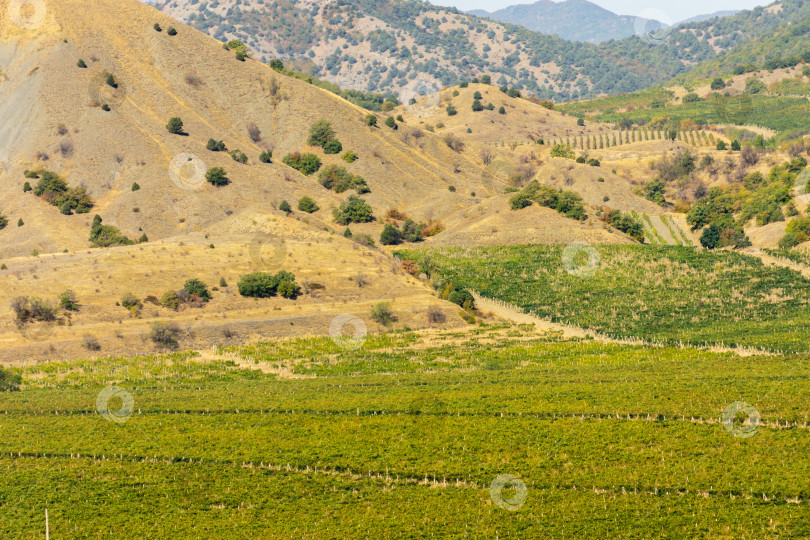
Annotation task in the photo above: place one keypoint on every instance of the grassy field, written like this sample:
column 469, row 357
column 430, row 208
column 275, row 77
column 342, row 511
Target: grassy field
column 782, row 114
column 662, row 293
column 403, row 438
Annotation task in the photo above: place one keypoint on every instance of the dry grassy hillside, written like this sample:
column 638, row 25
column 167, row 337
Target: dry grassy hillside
column 53, row 117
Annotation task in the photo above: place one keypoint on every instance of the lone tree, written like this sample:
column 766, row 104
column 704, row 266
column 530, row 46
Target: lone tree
column 390, row 236
column 320, row 133
column 217, row 176
column 175, row 126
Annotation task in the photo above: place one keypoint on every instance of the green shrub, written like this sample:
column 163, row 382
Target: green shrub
column 165, row 334
column 175, row 126
column 339, row 179
column 217, row 177
column 580, row 121
column 718, row 84
column 216, row 146
column 721, row 145
column 106, row 235
column 157, row 27
column 171, row 31
column 390, row 122
column 477, row 95
column 265, row 285
column 320, row 133
column 354, row 210
column 3, row 222
column 563, row 151
column 285, row 207
column 30, row 308
column 68, row 301
column 399, row 118
column 111, row 81
column 266, row 156
column 382, row 314
column 241, row 50
column 196, row 288
column 735, row 145
column 349, row 157
column 371, row 120
column 710, row 238
column 502, row 110
column 332, row 147
column 9, row 382
column 135, row 186
column 477, row 106
column 27, row 187
column 20, row 222
column 304, row 163
column 390, row 236
column 464, row 84
column 412, row 231
column 132, row 303
column 238, row 155
column 581, row 159
column 276, row 64
column 81, row 63
column 451, row 110
column 565, row 202
column 307, row 204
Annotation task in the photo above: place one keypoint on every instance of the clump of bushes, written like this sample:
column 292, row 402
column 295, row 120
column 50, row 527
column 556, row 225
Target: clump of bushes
column 306, row 164
column 349, row 157
column 30, row 308
column 106, row 235
column 265, row 285
column 563, row 151
column 216, row 146
column 354, row 210
column 241, row 51
column 68, row 301
column 626, row 223
column 266, row 156
column 238, row 155
column 53, row 189
column 322, row 134
column 339, row 179
column 565, row 202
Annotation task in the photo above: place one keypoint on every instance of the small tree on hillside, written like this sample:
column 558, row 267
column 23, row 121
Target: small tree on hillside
column 217, row 177
column 320, row 133
column 390, row 235
column 175, row 126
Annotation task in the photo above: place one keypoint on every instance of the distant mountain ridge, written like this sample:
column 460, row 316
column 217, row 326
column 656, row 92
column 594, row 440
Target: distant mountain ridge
column 575, row 20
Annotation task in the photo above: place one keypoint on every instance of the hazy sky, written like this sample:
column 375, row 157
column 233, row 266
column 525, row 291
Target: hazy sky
column 675, row 10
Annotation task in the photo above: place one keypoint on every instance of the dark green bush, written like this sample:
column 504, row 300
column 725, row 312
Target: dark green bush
column 216, row 146
column 171, row 31
column 197, row 288
column 265, row 285
column 390, row 236
column 320, row 133
column 238, row 155
column 339, row 179
column 285, row 207
column 175, row 126
column 217, row 176
column 382, row 314
column 9, row 382
column 106, row 235
column 304, row 163
column 266, row 156
column 390, row 122
column 307, row 204
column 355, row 210
column 332, row 147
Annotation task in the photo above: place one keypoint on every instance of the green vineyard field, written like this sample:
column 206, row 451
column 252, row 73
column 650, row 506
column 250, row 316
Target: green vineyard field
column 402, row 438
column 670, row 294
